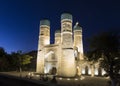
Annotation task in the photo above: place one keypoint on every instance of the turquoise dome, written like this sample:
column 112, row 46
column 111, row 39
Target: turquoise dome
column 66, row 16
column 77, row 28
column 45, row 22
column 57, row 31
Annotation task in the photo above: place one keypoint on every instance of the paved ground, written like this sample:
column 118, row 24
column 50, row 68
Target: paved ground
column 79, row 81
column 87, row 81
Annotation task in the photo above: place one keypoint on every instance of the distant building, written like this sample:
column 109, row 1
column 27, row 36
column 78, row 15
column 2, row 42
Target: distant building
column 64, row 57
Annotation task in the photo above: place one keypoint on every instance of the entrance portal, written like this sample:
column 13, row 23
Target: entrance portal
column 53, row 71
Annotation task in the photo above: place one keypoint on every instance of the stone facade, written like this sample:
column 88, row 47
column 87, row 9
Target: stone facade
column 65, row 57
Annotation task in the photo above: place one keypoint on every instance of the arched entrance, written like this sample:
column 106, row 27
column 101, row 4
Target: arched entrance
column 50, row 63
column 86, row 70
column 53, row 71
column 100, row 71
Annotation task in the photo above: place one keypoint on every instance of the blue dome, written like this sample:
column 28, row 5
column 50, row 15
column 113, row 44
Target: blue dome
column 66, row 16
column 45, row 22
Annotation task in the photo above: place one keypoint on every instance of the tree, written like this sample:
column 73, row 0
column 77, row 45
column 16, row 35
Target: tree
column 32, row 65
column 13, row 61
column 106, row 48
column 19, row 60
column 24, row 59
column 4, row 64
column 2, row 52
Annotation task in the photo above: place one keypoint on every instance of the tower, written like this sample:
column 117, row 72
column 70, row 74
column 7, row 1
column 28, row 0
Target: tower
column 67, row 59
column 66, row 30
column 44, row 39
column 78, row 44
column 57, row 37
column 78, row 47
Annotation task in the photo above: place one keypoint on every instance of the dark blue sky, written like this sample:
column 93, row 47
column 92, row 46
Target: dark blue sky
column 19, row 19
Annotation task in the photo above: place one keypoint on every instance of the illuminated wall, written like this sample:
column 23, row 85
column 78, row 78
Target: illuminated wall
column 78, row 40
column 51, row 58
column 68, row 63
column 66, row 54
column 44, row 39
column 58, row 37
column 66, row 30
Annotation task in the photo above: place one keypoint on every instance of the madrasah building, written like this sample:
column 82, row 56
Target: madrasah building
column 65, row 57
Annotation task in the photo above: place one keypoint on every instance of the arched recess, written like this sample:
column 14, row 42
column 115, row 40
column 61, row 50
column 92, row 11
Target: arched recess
column 76, row 54
column 50, row 66
column 86, row 70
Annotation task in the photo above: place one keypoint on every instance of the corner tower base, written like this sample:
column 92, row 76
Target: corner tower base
column 68, row 66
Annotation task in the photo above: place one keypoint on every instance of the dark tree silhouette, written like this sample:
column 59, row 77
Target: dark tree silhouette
column 20, row 59
column 106, row 48
column 13, row 61
column 3, row 60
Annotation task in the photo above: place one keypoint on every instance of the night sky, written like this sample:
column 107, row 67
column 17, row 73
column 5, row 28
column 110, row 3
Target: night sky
column 19, row 19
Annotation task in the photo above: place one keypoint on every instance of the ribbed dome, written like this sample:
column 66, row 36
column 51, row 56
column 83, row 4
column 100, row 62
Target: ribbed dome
column 66, row 16
column 57, row 31
column 77, row 28
column 45, row 22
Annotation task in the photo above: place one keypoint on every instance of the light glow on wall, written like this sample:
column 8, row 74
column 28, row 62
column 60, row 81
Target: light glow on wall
column 103, row 72
column 46, row 42
column 60, row 78
column 82, row 78
column 96, row 71
column 47, row 68
column 89, row 71
column 76, row 79
column 37, row 75
column 83, row 70
column 68, row 79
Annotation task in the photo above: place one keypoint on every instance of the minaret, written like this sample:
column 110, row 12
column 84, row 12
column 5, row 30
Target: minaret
column 66, row 30
column 44, row 36
column 44, row 39
column 68, row 66
column 78, row 40
column 57, row 37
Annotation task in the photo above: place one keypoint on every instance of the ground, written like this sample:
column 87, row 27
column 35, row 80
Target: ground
column 79, row 81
